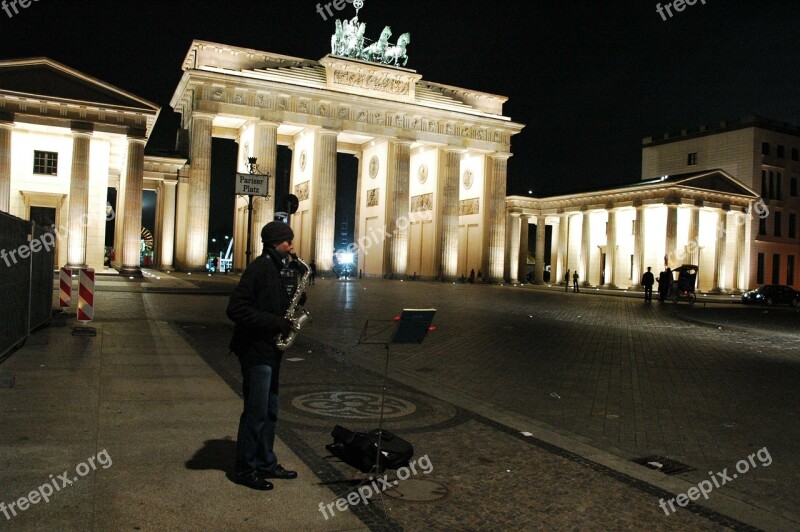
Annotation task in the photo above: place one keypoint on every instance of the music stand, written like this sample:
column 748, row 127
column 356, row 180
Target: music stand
column 410, row 328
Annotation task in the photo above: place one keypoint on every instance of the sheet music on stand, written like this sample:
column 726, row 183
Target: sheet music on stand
column 411, row 328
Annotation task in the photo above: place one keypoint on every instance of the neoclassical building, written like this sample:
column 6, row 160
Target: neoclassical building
column 65, row 138
column 611, row 236
column 432, row 158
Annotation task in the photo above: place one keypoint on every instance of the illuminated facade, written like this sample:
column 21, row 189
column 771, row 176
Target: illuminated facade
column 763, row 155
column 611, row 236
column 432, row 158
column 65, row 138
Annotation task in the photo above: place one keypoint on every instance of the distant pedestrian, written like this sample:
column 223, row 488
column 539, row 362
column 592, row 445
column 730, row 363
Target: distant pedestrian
column 575, row 288
column 664, row 282
column 313, row 267
column 471, row 279
column 216, row 264
column 566, row 281
column 647, row 281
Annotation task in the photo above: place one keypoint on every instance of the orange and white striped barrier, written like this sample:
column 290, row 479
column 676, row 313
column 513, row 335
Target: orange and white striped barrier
column 65, row 287
column 86, row 295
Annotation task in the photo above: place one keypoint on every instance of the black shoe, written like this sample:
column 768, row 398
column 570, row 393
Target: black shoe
column 279, row 472
column 255, row 482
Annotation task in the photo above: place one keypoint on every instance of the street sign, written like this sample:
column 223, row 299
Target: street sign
column 252, row 184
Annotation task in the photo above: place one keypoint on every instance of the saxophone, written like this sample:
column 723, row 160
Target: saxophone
column 298, row 320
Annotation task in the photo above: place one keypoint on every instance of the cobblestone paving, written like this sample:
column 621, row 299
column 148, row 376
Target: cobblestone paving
column 632, row 378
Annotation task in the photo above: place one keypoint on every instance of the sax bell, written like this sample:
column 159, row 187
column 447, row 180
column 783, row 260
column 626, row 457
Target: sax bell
column 297, row 323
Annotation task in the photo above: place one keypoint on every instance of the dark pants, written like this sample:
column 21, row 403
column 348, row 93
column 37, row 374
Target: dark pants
column 575, row 286
column 257, row 424
column 648, row 293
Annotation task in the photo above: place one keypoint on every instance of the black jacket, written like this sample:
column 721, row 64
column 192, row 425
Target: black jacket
column 255, row 306
column 648, row 279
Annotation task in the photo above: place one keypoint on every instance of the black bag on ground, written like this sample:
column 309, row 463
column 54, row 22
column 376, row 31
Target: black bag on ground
column 359, row 449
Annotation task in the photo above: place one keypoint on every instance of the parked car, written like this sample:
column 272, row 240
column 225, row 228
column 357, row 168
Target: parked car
column 772, row 294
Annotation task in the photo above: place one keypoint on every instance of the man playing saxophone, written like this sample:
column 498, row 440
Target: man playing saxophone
column 258, row 307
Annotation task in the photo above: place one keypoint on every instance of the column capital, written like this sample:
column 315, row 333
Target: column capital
column 325, row 131
column 203, row 115
column 453, row 149
column 500, row 155
column 135, row 140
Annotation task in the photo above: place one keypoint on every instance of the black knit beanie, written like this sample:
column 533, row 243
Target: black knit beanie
column 276, row 232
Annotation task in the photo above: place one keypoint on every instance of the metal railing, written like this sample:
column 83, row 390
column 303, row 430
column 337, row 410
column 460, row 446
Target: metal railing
column 26, row 280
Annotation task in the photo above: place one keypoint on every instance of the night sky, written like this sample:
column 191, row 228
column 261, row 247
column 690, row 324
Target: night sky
column 589, row 79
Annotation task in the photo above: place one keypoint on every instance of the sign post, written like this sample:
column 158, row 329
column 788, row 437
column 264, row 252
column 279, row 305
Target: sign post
column 251, row 184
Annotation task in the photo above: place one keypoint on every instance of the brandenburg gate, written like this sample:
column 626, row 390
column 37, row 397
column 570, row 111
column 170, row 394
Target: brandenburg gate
column 431, row 186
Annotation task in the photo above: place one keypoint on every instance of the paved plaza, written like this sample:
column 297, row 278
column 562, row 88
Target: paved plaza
column 528, row 404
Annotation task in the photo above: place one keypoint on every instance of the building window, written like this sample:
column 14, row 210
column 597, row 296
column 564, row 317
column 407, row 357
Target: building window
column 794, row 154
column 793, row 187
column 760, row 270
column 691, row 160
column 792, row 225
column 790, row 270
column 771, row 193
column 776, row 268
column 779, row 151
column 45, row 162
column 764, row 183
column 765, row 148
column 762, row 226
column 778, row 186
column 777, row 227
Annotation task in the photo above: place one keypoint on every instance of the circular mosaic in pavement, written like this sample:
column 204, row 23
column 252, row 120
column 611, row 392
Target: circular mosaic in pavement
column 353, row 405
column 359, row 407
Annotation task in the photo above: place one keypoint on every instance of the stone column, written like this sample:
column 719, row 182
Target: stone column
column 132, row 223
column 265, row 149
column 585, row 249
column 357, row 222
column 324, row 190
column 398, row 221
column 563, row 247
column 181, row 215
column 199, row 192
column 5, row 163
column 524, row 227
column 449, row 172
column 740, row 263
column 78, row 219
column 541, row 227
column 611, row 249
column 693, row 251
column 166, row 237
column 719, row 256
column 514, row 244
column 672, row 234
column 638, row 247
column 496, row 175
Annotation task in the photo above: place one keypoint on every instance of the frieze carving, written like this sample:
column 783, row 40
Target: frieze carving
column 468, row 206
column 343, row 112
column 217, row 94
column 260, row 100
column 282, row 104
column 302, row 107
column 323, row 110
column 239, row 98
column 379, row 119
column 362, row 116
column 422, row 203
column 301, row 190
column 371, row 82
